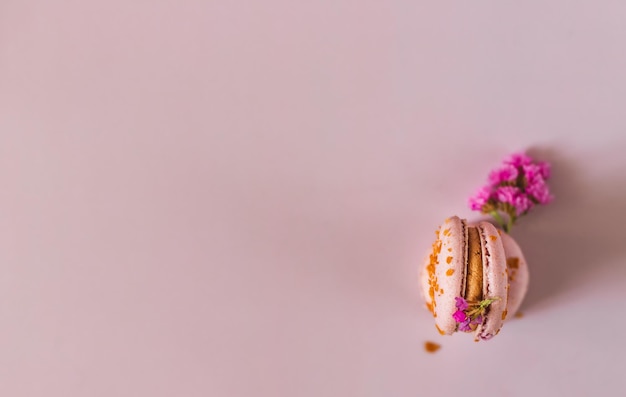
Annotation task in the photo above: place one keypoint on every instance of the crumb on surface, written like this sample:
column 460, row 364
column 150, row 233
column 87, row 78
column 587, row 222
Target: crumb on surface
column 519, row 315
column 431, row 347
column 512, row 262
column 432, row 276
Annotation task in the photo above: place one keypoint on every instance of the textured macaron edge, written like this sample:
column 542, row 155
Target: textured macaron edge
column 450, row 271
column 495, row 280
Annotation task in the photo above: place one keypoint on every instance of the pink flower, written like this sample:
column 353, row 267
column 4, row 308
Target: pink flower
column 482, row 196
column 459, row 316
column 507, row 194
column 522, row 204
column 461, row 303
column 478, row 320
column 518, row 159
column 515, row 197
column 539, row 190
column 513, row 188
column 506, row 173
column 532, row 172
column 544, row 169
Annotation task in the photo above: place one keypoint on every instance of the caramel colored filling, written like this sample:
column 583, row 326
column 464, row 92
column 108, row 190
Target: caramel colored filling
column 474, row 288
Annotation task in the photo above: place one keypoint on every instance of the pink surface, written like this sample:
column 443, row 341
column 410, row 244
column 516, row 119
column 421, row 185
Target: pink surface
column 233, row 198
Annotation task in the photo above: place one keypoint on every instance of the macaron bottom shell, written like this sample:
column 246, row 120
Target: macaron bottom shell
column 518, row 275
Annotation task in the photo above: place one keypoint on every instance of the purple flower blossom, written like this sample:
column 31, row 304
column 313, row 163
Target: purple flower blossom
column 461, row 303
column 465, row 326
column 469, row 315
column 459, row 316
column 506, row 173
column 482, row 196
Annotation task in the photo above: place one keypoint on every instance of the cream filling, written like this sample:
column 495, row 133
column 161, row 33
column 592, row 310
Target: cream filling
column 474, row 279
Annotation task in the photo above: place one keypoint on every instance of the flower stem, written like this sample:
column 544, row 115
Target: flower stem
column 498, row 218
column 510, row 224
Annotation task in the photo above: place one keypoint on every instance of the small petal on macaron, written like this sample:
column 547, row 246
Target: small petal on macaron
column 465, row 326
column 461, row 303
column 459, row 316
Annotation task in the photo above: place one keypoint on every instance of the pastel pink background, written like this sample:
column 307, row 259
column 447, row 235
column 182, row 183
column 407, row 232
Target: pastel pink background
column 231, row 198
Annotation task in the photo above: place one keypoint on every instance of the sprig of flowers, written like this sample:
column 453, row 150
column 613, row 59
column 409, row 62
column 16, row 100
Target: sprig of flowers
column 469, row 315
column 513, row 188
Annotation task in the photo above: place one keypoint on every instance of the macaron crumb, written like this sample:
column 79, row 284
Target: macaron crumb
column 512, row 262
column 431, row 347
column 519, row 315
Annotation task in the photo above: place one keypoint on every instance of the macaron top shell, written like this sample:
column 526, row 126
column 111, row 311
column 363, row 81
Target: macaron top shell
column 444, row 277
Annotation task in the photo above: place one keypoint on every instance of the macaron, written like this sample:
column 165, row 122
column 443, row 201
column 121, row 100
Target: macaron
column 474, row 277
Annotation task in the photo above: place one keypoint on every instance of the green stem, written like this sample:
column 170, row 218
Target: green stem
column 498, row 218
column 510, row 224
